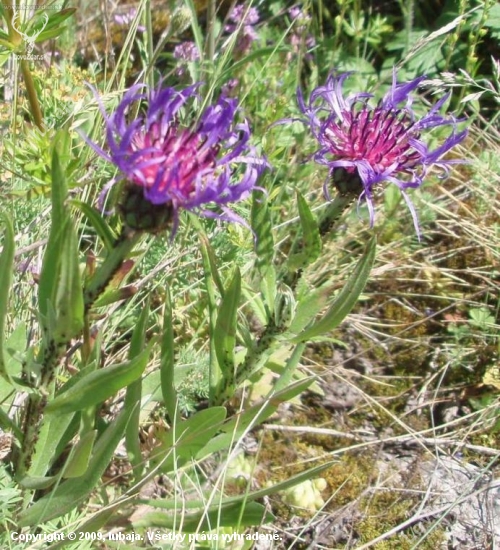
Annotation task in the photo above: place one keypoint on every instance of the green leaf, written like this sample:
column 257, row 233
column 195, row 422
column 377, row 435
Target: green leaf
column 49, row 34
column 73, row 492
column 212, row 262
column 346, row 299
column 186, row 438
column 51, row 27
column 264, row 250
column 60, row 290
column 238, row 514
column 263, row 229
column 253, row 416
column 247, row 497
column 133, row 396
column 112, row 295
column 167, row 360
column 211, row 276
column 309, row 304
column 38, row 483
column 290, row 367
column 79, row 457
column 55, row 433
column 226, row 326
column 312, row 238
column 6, row 270
column 15, row 346
column 99, row 385
column 97, row 222
column 68, row 303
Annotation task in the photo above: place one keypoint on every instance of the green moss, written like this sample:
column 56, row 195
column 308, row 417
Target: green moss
column 385, row 510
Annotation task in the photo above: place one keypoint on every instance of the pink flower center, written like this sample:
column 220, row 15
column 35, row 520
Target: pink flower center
column 174, row 157
column 380, row 137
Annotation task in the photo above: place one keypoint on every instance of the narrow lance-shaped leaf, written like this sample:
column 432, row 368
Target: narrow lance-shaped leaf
column 186, row 438
column 311, row 239
column 346, row 299
column 247, row 497
column 226, row 327
column 98, row 223
column 6, row 267
column 73, row 492
column 290, row 367
column 209, row 260
column 238, row 514
column 54, row 19
column 264, row 250
column 255, row 415
column 167, row 359
column 99, row 385
column 60, row 287
column 79, row 458
column 49, row 276
column 209, row 270
column 53, row 437
column 309, row 303
column 134, row 395
column 69, row 295
column 263, row 229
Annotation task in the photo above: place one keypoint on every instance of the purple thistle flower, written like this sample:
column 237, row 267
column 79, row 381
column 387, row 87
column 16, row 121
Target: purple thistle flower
column 370, row 145
column 181, row 166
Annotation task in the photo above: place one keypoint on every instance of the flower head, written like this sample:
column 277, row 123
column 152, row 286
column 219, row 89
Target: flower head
column 242, row 20
column 300, row 35
column 180, row 166
column 185, row 52
column 126, row 19
column 366, row 145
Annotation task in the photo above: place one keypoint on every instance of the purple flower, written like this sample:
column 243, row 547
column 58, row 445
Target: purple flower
column 182, row 166
column 300, row 35
column 186, row 51
column 241, row 20
column 300, row 19
column 126, row 18
column 242, row 14
column 373, row 144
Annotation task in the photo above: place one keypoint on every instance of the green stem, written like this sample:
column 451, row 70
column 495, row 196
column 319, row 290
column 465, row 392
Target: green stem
column 211, row 13
column 254, row 361
column 333, row 212
column 103, row 275
column 149, row 43
column 50, row 356
column 31, row 92
column 16, row 40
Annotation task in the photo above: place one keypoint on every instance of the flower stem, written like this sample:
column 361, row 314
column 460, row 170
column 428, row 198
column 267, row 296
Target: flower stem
column 50, row 354
column 331, row 216
column 211, row 15
column 103, row 275
column 149, row 43
column 32, row 95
